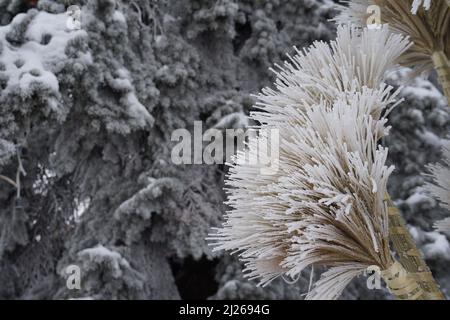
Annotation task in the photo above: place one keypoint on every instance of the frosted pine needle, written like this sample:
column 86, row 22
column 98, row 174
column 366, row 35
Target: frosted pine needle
column 440, row 187
column 325, row 204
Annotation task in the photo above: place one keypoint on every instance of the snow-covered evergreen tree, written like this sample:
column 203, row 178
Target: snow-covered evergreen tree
column 89, row 114
column 86, row 118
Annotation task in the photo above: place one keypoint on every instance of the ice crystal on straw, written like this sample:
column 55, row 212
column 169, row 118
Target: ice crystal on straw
column 324, row 206
column 427, row 29
column 417, row 3
column 440, row 187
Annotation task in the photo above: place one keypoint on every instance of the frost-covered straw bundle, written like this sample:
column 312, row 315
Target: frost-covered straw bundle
column 325, row 205
column 440, row 188
column 428, row 28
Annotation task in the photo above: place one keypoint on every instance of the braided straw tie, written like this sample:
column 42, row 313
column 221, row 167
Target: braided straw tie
column 442, row 67
column 402, row 284
column 409, row 255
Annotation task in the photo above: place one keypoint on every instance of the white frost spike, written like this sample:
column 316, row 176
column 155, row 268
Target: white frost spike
column 357, row 58
column 440, row 188
column 417, row 3
column 334, row 281
column 324, row 206
column 374, row 185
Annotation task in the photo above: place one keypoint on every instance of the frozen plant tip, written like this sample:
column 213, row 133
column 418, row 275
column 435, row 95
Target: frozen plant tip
column 325, row 206
column 440, row 187
column 427, row 29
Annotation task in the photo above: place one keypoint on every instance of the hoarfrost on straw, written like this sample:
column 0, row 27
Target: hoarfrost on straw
column 427, row 29
column 440, row 187
column 325, row 204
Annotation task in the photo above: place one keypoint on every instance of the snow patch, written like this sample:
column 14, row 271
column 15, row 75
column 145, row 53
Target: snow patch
column 102, row 255
column 37, row 59
column 417, row 199
column 119, row 17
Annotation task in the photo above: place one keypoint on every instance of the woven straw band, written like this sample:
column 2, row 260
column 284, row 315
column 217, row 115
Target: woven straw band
column 442, row 66
column 409, row 255
column 400, row 283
